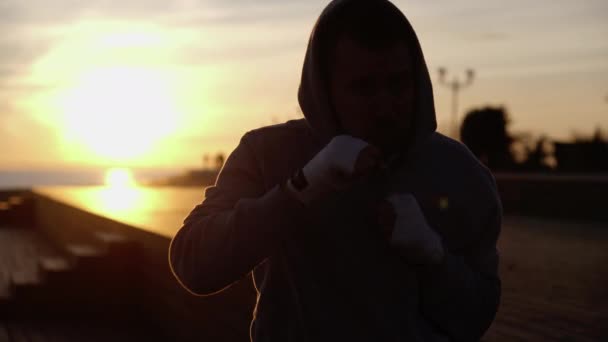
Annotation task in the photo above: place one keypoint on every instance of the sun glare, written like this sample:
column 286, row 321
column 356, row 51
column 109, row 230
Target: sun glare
column 119, row 178
column 121, row 112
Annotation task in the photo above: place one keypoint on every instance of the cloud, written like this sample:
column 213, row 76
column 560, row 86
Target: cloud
column 27, row 141
column 44, row 12
column 29, row 30
column 17, row 57
column 493, row 36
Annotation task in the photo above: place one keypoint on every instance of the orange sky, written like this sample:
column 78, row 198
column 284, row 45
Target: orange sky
column 158, row 84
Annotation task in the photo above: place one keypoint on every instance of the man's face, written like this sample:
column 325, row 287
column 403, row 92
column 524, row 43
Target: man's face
column 373, row 92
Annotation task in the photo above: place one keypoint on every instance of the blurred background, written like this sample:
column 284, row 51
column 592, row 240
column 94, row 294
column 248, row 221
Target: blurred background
column 125, row 111
column 190, row 77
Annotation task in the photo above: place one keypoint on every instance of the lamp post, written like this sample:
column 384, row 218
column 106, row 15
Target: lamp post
column 455, row 85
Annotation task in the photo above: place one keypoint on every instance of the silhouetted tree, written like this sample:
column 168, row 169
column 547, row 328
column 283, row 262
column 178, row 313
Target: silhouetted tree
column 537, row 158
column 206, row 161
column 484, row 131
column 219, row 160
column 585, row 154
column 598, row 136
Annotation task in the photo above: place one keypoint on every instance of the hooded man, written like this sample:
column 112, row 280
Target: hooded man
column 359, row 222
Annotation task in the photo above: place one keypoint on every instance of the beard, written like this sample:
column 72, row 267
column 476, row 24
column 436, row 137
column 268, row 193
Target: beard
column 389, row 135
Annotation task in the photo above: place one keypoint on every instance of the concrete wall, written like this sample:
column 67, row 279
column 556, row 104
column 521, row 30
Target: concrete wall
column 158, row 298
column 16, row 207
column 573, row 197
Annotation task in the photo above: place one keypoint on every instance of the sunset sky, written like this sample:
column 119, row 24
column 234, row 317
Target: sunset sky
column 151, row 83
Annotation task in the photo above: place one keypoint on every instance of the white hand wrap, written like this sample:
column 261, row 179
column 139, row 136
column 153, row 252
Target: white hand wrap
column 412, row 235
column 331, row 169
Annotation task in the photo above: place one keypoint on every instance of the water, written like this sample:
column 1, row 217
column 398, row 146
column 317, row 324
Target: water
column 11, row 179
column 160, row 210
column 29, row 178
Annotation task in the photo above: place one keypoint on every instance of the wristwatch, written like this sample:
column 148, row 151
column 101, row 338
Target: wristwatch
column 298, row 180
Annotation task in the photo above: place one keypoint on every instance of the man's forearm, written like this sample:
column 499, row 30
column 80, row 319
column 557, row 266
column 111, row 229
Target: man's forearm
column 213, row 251
column 459, row 300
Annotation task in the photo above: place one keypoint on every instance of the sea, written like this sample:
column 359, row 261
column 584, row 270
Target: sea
column 161, row 210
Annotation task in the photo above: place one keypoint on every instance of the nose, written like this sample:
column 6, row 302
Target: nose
column 385, row 107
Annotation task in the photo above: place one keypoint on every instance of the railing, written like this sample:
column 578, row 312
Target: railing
column 126, row 270
column 576, row 196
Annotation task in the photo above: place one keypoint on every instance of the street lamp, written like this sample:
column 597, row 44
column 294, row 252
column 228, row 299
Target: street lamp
column 456, row 85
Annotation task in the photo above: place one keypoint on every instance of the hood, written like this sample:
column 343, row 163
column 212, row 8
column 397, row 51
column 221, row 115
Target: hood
column 313, row 94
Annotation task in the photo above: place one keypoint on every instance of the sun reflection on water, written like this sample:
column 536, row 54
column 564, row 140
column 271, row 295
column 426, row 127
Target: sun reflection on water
column 159, row 210
column 119, row 178
column 120, row 195
column 118, row 200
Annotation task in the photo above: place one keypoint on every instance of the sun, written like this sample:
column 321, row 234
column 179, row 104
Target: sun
column 119, row 113
column 119, row 178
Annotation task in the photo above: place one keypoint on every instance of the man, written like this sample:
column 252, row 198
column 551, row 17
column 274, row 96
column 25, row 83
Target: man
column 359, row 222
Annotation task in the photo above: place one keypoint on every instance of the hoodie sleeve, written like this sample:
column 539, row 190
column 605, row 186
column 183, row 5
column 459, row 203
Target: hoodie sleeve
column 461, row 295
column 235, row 228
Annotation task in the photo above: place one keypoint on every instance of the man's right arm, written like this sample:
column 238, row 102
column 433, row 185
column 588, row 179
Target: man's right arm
column 235, row 228
column 239, row 224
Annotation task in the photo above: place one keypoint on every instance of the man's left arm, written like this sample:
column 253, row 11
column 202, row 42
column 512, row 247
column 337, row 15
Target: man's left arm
column 460, row 295
column 459, row 289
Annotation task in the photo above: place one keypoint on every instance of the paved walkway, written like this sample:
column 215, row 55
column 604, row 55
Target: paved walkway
column 82, row 330
column 21, row 251
column 555, row 281
column 554, row 274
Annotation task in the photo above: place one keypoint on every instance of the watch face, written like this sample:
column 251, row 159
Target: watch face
column 299, row 181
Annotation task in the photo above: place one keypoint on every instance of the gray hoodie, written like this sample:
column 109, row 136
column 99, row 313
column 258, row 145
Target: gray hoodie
column 326, row 273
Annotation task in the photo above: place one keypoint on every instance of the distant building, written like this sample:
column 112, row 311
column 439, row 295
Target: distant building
column 584, row 157
column 199, row 177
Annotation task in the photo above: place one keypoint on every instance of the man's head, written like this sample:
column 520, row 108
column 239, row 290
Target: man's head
column 370, row 70
column 364, row 74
